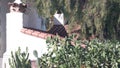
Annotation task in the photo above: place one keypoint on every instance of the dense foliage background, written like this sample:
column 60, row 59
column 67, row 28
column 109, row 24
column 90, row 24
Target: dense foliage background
column 96, row 17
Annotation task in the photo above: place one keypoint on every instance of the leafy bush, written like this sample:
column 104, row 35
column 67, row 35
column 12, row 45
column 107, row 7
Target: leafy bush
column 74, row 53
column 20, row 60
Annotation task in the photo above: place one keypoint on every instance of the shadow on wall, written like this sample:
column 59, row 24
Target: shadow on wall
column 32, row 20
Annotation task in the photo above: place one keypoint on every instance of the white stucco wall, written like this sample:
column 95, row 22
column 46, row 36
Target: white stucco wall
column 59, row 19
column 15, row 39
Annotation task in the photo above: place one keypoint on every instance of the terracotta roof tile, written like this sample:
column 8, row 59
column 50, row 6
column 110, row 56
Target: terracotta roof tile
column 23, row 30
column 29, row 31
column 55, row 30
column 36, row 33
column 43, row 35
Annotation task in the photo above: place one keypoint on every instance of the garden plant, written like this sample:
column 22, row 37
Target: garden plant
column 71, row 53
column 20, row 59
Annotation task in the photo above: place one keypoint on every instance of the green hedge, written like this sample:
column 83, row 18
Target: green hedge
column 74, row 53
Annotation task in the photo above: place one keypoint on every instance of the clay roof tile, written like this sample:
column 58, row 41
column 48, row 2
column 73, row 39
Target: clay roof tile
column 55, row 30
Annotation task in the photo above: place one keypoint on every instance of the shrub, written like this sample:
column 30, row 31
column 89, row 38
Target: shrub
column 70, row 53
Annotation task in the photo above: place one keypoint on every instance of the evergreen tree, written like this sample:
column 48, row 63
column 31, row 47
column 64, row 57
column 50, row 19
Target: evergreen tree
column 96, row 17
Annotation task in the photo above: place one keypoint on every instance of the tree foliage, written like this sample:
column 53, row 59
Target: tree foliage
column 96, row 17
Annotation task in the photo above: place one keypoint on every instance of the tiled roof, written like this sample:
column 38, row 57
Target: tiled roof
column 55, row 30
